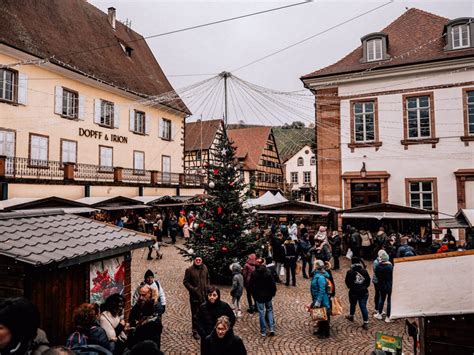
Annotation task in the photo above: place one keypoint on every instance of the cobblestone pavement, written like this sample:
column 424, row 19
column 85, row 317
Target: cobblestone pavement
column 293, row 326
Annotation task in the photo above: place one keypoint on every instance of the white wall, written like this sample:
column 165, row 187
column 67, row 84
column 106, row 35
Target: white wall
column 291, row 165
column 421, row 160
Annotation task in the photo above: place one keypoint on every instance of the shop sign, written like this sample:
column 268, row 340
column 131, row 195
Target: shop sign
column 90, row 133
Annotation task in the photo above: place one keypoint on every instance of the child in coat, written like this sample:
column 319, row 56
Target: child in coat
column 237, row 288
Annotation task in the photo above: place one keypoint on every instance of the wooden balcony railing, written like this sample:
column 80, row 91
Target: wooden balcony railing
column 12, row 168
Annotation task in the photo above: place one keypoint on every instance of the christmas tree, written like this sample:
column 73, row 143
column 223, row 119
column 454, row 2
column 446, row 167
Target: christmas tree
column 223, row 226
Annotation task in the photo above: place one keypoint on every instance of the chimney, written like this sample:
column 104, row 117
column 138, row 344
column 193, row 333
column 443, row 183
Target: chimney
column 111, row 12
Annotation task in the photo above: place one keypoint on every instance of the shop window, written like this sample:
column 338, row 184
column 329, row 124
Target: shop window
column 365, row 193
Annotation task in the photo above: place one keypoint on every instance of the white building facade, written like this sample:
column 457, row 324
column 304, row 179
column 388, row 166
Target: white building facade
column 300, row 174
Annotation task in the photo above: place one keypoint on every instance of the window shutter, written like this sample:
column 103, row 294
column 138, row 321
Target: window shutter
column 97, row 103
column 22, row 89
column 147, row 124
column 116, row 116
column 172, row 130
column 82, row 108
column 160, row 128
column 132, row 120
column 58, row 106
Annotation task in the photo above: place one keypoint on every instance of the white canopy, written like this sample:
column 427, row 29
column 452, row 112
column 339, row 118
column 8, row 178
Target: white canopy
column 469, row 215
column 266, row 199
column 386, row 215
column 280, row 197
column 433, row 285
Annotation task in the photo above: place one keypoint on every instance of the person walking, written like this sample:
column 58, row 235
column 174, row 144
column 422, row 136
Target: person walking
column 358, row 281
column 223, row 341
column 335, row 243
column 196, row 281
column 278, row 252
column 320, row 295
column 249, row 268
column 306, row 258
column 149, row 279
column 210, row 311
column 355, row 242
column 375, row 280
column 384, row 273
column 291, row 257
column 237, row 288
column 263, row 289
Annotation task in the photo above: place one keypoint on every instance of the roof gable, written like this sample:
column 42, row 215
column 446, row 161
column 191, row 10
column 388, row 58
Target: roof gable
column 300, row 153
column 45, row 203
column 201, row 134
column 249, row 144
column 414, row 37
column 108, row 201
column 387, row 207
column 68, row 30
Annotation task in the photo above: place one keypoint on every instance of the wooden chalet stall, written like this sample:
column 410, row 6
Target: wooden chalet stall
column 392, row 217
column 463, row 220
column 59, row 261
column 45, row 204
column 438, row 291
column 312, row 215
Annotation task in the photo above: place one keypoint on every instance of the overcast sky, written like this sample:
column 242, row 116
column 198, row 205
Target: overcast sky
column 227, row 46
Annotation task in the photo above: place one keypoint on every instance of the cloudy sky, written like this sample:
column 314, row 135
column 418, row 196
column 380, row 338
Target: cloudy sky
column 185, row 56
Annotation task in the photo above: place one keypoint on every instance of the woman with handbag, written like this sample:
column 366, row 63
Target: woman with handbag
column 321, row 295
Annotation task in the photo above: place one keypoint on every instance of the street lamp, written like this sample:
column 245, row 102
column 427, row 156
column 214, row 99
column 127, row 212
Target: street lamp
column 363, row 171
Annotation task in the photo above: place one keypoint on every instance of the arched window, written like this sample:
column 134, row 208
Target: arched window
column 300, row 161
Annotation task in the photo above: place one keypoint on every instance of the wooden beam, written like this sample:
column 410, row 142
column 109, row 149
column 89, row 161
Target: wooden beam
column 434, row 256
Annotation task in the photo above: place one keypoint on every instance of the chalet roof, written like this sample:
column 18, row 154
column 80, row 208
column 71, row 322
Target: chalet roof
column 68, row 29
column 249, row 143
column 387, row 207
column 100, row 201
column 45, row 238
column 201, row 134
column 293, row 206
column 408, row 38
column 28, row 203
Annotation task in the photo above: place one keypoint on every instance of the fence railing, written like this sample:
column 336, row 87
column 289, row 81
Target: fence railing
column 25, row 168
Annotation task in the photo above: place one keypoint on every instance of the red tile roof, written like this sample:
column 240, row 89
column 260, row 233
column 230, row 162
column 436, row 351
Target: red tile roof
column 46, row 28
column 201, row 134
column 408, row 38
column 250, row 143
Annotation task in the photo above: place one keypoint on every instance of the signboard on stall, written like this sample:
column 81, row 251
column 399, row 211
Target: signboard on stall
column 106, row 278
column 388, row 343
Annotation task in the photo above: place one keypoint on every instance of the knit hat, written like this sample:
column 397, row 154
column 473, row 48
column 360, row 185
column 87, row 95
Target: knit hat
column 384, row 256
column 13, row 313
column 319, row 265
column 149, row 273
column 322, row 229
column 380, row 252
column 355, row 260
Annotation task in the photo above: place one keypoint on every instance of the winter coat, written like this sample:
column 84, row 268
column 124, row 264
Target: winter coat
column 196, row 281
column 237, row 285
column 384, row 272
column 374, row 266
column 230, row 344
column 293, row 231
column 335, row 243
column 304, row 246
column 262, row 285
column 147, row 322
column 405, row 250
column 96, row 335
column 322, row 252
column 277, row 250
column 209, row 312
column 249, row 267
column 318, row 289
column 366, row 238
column 290, row 253
column 112, row 326
column 355, row 241
column 357, row 280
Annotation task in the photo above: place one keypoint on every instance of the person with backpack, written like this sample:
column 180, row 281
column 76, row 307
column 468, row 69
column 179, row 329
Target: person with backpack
column 88, row 333
column 291, row 256
column 384, row 273
column 405, row 250
column 358, row 281
column 321, row 289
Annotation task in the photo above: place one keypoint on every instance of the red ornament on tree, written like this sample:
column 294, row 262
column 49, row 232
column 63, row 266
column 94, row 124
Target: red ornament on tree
column 216, row 171
column 232, row 183
column 212, row 239
column 201, row 225
column 219, row 210
column 224, row 249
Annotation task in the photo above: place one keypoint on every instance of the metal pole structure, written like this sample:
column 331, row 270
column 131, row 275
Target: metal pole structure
column 225, row 75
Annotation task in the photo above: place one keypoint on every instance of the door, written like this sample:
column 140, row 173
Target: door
column 7, row 148
column 166, row 167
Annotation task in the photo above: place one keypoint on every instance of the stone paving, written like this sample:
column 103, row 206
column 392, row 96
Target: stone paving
column 293, row 326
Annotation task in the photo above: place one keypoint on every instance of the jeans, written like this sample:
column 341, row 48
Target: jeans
column 278, row 267
column 384, row 294
column 307, row 261
column 291, row 267
column 376, row 297
column 362, row 300
column 262, row 306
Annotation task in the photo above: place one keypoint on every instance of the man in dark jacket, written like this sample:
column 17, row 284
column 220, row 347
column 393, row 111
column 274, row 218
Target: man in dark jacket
column 278, row 252
column 263, row 289
column 358, row 281
column 303, row 248
column 210, row 311
column 196, row 281
column 335, row 243
column 384, row 273
column 355, row 242
column 291, row 256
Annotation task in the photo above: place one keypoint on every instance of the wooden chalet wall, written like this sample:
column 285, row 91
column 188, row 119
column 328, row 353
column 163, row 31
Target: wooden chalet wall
column 12, row 278
column 269, row 173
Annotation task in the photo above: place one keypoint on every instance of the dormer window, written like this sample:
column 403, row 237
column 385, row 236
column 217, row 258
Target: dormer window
column 459, row 33
column 460, row 36
column 374, row 47
column 126, row 49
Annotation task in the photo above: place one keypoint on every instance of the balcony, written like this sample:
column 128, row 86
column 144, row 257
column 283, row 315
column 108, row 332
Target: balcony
column 269, row 181
column 15, row 169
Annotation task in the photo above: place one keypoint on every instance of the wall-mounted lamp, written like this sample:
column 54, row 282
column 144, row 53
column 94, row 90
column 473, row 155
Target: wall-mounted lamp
column 363, row 171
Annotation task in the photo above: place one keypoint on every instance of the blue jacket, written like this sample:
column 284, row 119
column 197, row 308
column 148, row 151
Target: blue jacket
column 374, row 266
column 319, row 289
column 384, row 272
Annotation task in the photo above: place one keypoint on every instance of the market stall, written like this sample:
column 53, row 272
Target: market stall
column 45, row 204
column 463, row 221
column 438, row 290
